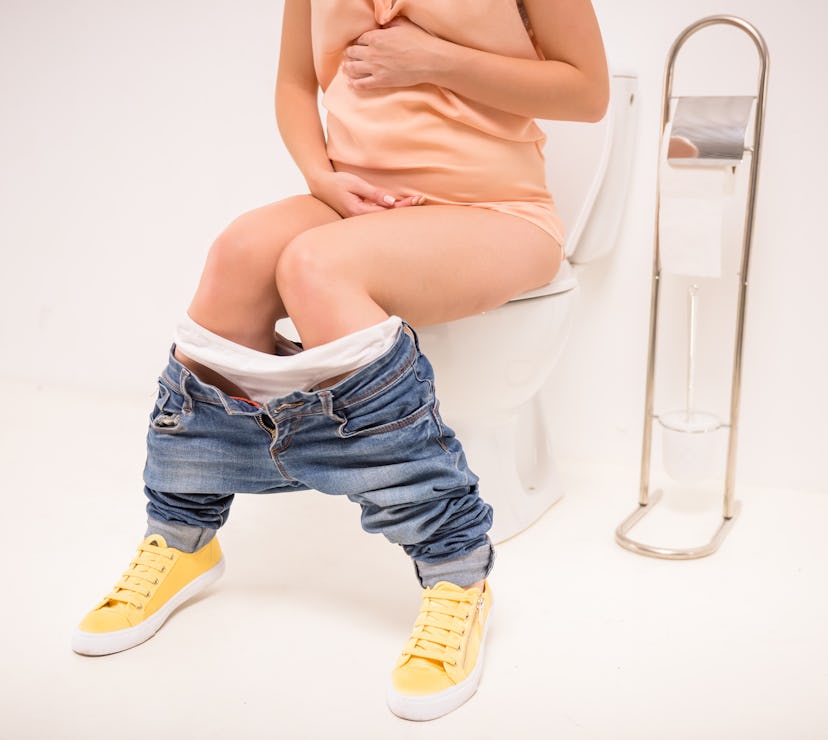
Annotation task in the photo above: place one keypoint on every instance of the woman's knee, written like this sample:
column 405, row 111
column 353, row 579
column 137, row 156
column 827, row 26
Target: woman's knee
column 307, row 266
column 236, row 297
column 242, row 245
column 254, row 241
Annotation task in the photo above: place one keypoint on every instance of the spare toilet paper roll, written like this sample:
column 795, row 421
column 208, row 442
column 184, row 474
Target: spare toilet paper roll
column 692, row 202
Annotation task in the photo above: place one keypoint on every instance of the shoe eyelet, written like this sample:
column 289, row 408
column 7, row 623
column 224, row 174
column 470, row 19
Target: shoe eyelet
column 156, row 582
column 164, row 569
column 140, row 606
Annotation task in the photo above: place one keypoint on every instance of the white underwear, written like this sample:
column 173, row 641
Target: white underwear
column 263, row 376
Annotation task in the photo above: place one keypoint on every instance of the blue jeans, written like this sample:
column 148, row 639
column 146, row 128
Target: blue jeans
column 375, row 437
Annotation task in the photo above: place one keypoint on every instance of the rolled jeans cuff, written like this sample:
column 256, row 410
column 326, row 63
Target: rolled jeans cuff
column 463, row 571
column 184, row 537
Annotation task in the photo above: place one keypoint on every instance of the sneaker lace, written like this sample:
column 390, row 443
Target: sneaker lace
column 441, row 625
column 139, row 580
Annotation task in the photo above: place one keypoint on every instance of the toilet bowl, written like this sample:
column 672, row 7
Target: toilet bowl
column 490, row 368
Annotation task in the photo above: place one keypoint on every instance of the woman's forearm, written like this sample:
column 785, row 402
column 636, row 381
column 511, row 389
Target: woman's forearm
column 570, row 83
column 530, row 87
column 297, row 115
column 297, row 112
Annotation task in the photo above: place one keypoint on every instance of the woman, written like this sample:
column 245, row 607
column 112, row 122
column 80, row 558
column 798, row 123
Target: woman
column 427, row 203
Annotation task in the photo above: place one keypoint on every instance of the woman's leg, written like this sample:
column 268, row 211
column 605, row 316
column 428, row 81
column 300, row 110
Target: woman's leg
column 427, row 265
column 236, row 297
column 201, row 448
column 408, row 472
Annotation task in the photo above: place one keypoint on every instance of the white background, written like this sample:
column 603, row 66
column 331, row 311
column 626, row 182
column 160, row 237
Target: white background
column 131, row 134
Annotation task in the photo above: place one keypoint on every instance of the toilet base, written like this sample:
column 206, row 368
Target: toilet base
column 512, row 455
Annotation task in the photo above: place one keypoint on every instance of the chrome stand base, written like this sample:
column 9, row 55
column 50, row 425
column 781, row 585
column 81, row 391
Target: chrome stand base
column 666, row 553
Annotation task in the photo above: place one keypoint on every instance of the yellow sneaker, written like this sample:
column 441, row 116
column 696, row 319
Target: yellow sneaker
column 158, row 580
column 441, row 664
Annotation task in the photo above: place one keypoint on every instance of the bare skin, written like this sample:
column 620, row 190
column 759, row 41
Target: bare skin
column 298, row 258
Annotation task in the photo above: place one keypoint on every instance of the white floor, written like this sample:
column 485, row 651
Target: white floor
column 589, row 640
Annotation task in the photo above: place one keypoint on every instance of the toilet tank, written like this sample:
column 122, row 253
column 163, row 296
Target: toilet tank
column 588, row 171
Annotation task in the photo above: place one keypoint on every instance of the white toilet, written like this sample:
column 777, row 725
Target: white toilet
column 491, row 367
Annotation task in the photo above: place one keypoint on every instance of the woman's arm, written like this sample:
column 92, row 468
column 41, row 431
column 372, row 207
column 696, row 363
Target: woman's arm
column 297, row 115
column 297, row 112
column 571, row 84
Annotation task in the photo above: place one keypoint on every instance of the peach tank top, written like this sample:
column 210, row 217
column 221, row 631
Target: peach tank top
column 427, row 139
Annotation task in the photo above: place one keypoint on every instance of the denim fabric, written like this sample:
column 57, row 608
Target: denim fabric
column 376, row 437
column 180, row 536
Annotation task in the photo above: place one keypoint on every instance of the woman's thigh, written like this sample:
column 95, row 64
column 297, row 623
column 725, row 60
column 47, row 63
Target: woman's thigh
column 428, row 264
column 237, row 296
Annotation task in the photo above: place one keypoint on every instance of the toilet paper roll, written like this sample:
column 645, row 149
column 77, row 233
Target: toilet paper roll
column 692, row 202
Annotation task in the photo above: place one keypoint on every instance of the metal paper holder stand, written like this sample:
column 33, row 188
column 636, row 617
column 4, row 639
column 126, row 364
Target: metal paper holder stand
column 706, row 132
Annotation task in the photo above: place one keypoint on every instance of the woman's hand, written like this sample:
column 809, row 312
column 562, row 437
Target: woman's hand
column 570, row 82
column 350, row 195
column 400, row 54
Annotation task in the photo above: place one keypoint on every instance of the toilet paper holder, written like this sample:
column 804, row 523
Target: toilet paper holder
column 709, row 130
column 705, row 130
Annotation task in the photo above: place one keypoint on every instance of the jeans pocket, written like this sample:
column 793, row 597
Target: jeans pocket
column 396, row 407
column 359, row 425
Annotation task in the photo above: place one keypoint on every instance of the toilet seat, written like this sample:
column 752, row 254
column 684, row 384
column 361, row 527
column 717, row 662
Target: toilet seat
column 563, row 281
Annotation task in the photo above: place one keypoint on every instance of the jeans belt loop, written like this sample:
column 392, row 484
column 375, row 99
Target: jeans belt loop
column 187, row 406
column 326, row 399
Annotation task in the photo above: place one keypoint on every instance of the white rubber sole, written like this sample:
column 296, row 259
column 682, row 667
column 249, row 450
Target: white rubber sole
column 423, row 708
column 106, row 643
